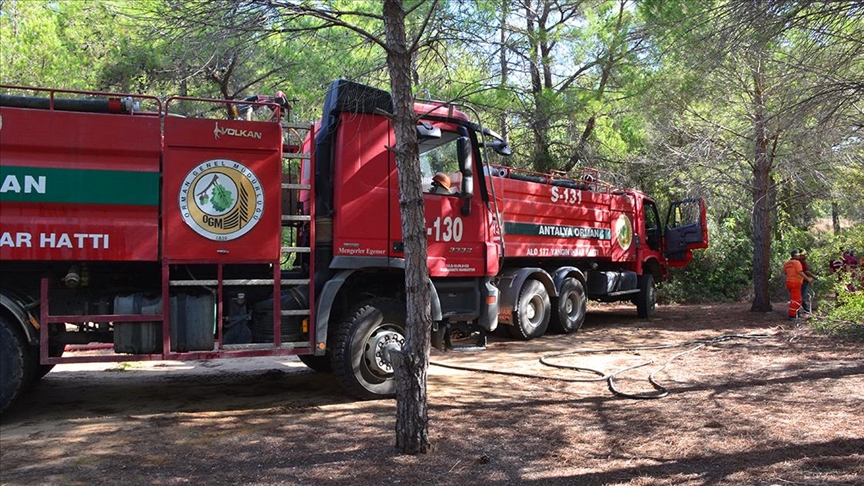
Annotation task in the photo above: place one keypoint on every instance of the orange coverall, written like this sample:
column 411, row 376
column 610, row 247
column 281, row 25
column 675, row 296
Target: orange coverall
column 794, row 279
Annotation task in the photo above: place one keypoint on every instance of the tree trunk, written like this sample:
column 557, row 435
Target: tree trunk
column 410, row 365
column 504, row 69
column 763, row 200
column 835, row 217
column 540, row 120
column 579, row 153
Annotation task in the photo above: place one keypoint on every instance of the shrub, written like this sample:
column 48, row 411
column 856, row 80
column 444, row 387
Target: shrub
column 844, row 315
column 723, row 271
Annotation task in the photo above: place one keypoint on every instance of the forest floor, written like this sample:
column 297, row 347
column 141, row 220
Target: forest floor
column 785, row 408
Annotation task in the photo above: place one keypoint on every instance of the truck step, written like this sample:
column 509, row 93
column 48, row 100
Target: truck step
column 238, row 282
column 293, row 155
column 296, row 217
column 214, row 282
column 623, row 292
column 297, row 312
column 260, row 346
column 480, row 345
column 296, row 249
column 296, row 126
column 296, row 186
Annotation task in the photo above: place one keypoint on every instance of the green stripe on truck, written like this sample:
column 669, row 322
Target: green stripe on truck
column 52, row 185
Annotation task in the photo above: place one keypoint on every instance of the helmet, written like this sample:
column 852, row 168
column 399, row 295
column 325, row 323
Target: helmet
column 442, row 179
column 802, row 252
column 794, row 253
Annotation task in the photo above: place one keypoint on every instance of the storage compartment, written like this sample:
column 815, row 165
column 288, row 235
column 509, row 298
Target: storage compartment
column 604, row 283
column 628, row 281
column 137, row 337
column 192, row 322
column 460, row 300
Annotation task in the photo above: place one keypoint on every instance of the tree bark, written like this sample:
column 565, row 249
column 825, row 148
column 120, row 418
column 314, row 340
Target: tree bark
column 504, row 69
column 540, row 118
column 608, row 64
column 410, row 365
column 763, row 199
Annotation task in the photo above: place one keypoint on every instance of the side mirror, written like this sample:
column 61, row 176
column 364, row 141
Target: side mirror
column 466, row 167
column 500, row 147
column 425, row 131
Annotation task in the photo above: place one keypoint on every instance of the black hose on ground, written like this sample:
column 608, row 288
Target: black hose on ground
column 661, row 391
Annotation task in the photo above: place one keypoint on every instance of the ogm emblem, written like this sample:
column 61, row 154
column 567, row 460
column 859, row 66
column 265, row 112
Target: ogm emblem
column 221, row 199
column 624, row 231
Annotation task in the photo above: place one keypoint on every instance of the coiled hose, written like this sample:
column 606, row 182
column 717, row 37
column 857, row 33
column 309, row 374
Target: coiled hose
column 660, row 390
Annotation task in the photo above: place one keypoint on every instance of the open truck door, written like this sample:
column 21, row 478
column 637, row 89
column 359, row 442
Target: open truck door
column 686, row 230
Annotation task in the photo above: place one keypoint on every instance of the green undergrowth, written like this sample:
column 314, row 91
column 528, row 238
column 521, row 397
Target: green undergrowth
column 845, row 316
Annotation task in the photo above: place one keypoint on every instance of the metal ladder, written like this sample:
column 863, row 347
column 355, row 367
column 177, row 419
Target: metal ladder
column 291, row 225
column 295, row 135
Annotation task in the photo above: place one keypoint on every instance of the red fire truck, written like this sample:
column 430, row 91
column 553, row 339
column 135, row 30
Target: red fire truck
column 182, row 230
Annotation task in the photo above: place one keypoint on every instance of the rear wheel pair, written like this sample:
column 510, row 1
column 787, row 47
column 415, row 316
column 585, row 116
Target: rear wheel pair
column 533, row 313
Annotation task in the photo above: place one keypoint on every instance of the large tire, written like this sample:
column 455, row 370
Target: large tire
column 533, row 310
column 646, row 300
column 321, row 364
column 357, row 355
column 16, row 365
column 571, row 308
column 35, row 371
column 39, row 370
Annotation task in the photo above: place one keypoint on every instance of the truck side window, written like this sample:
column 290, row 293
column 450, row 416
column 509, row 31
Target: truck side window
column 652, row 225
column 439, row 156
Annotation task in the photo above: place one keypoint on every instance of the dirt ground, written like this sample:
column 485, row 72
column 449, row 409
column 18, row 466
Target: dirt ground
column 785, row 409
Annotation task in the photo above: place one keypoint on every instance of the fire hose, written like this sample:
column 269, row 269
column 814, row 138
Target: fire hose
column 660, row 390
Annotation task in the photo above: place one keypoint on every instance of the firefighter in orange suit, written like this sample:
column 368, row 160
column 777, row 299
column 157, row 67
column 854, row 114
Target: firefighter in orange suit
column 795, row 276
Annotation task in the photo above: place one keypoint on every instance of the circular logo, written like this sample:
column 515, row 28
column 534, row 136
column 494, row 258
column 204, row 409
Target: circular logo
column 221, row 199
column 624, row 231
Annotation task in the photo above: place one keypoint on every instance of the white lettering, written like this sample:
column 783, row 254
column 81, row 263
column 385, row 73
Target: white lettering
column 6, row 239
column 46, row 240
column 566, row 195
column 235, row 133
column 95, row 241
column 31, row 184
column 11, row 184
column 22, row 240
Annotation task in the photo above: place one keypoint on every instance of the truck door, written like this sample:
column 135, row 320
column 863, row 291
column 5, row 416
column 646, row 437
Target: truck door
column 686, row 230
column 454, row 233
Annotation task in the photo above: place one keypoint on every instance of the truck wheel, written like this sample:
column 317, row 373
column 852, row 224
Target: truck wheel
column 646, row 300
column 15, row 363
column 34, row 371
column 358, row 358
column 572, row 305
column 321, row 364
column 39, row 370
column 532, row 311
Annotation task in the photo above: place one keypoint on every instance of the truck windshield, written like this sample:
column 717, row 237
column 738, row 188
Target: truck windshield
column 439, row 156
